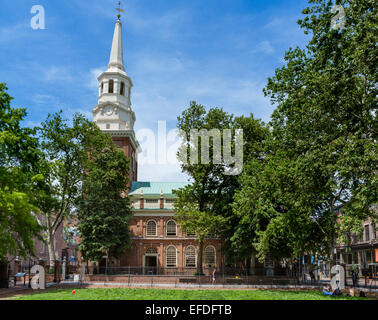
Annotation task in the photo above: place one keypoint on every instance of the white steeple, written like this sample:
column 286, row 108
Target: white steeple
column 113, row 113
column 116, row 55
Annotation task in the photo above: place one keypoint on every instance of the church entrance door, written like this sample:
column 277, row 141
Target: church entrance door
column 150, row 264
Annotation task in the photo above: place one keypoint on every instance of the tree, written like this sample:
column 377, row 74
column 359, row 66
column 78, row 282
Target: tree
column 277, row 214
column 199, row 200
column 62, row 167
column 19, row 158
column 194, row 221
column 323, row 152
column 255, row 134
column 104, row 210
column 326, row 108
column 208, row 199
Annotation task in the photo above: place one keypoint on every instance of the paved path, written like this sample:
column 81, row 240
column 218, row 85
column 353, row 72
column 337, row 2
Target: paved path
column 5, row 293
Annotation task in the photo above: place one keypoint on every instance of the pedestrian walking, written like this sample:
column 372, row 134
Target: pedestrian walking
column 214, row 275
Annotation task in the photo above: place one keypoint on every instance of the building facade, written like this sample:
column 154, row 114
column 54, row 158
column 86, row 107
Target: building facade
column 158, row 242
column 362, row 252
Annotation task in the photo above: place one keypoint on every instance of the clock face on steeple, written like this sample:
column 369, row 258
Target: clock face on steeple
column 108, row 110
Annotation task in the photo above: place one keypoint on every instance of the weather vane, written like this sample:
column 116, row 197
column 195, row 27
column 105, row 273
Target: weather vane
column 119, row 9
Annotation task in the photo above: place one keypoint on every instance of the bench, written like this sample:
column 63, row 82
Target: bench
column 19, row 275
column 188, row 280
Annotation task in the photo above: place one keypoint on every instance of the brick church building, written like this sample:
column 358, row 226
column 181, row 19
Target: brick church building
column 157, row 239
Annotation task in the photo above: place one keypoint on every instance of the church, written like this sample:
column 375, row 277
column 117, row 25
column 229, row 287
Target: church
column 159, row 245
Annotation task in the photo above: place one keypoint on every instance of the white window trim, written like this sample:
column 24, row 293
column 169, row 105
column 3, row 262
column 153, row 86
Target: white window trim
column 215, row 254
column 166, row 228
column 166, row 256
column 156, row 227
column 195, row 256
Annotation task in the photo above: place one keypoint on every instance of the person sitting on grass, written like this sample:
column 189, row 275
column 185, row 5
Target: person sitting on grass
column 337, row 292
column 351, row 292
column 327, row 290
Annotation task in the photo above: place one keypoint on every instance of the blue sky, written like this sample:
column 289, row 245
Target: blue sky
column 216, row 52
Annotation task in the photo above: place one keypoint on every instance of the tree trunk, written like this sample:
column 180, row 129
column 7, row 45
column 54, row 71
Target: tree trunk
column 4, row 275
column 199, row 266
column 51, row 247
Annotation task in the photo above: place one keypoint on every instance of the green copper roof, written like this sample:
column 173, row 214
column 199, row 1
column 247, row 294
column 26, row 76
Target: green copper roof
column 155, row 188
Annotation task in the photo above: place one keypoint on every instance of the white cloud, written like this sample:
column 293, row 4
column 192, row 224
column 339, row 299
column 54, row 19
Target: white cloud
column 94, row 73
column 31, row 124
column 274, row 23
column 43, row 98
column 57, row 73
column 14, row 31
column 264, row 47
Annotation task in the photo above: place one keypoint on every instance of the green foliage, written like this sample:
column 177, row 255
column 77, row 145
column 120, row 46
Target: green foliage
column 194, row 221
column 104, row 210
column 322, row 156
column 18, row 165
column 62, row 168
column 204, row 207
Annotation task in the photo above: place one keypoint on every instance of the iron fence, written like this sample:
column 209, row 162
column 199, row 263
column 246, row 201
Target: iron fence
column 174, row 271
column 185, row 276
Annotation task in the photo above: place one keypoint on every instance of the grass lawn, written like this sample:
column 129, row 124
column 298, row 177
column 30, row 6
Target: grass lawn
column 165, row 294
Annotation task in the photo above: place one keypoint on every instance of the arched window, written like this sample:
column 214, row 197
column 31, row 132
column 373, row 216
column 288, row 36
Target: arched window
column 122, row 89
column 171, row 228
column 171, row 257
column 210, row 255
column 190, row 257
column 111, row 86
column 151, row 251
column 151, row 228
column 102, row 88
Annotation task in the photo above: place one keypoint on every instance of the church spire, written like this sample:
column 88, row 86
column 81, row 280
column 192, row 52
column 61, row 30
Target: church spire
column 113, row 113
column 116, row 55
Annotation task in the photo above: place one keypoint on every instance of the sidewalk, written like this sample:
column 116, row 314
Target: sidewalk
column 64, row 284
column 20, row 289
column 4, row 293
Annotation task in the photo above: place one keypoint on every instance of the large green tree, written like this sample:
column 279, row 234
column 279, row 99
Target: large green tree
column 104, row 210
column 64, row 148
column 322, row 154
column 19, row 158
column 204, row 207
